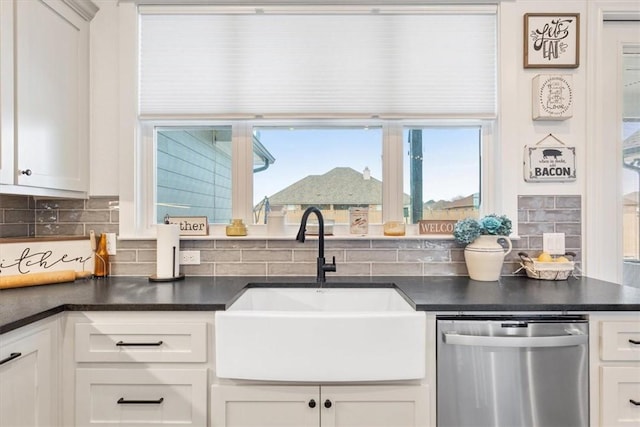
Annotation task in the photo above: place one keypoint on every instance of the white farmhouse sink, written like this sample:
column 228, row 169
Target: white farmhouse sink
column 320, row 335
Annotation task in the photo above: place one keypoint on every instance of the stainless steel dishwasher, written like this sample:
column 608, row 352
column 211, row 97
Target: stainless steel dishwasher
column 508, row 371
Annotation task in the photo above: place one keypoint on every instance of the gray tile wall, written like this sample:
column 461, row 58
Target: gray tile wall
column 17, row 216
column 24, row 216
column 548, row 214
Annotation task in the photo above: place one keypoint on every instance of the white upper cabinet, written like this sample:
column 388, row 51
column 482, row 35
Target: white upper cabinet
column 45, row 97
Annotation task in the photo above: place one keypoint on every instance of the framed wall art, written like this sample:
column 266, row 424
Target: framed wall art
column 551, row 40
column 552, row 97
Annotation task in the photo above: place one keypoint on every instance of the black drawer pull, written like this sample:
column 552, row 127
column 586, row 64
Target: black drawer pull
column 636, row 342
column 139, row 344
column 327, row 404
column 312, row 403
column 10, row 358
column 122, row 401
column 635, row 402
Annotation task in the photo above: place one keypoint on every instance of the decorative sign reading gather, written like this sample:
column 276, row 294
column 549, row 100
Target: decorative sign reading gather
column 436, row 226
column 191, row 225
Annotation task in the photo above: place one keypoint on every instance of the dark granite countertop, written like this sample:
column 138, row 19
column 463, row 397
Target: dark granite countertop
column 19, row 307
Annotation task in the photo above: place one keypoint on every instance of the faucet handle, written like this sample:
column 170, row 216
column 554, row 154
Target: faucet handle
column 330, row 267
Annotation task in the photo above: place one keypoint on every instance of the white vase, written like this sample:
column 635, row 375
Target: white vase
column 484, row 257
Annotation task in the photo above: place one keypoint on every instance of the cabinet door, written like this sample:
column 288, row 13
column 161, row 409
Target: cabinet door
column 51, row 92
column 265, row 406
column 621, row 340
column 141, row 397
column 26, row 374
column 374, row 406
column 6, row 93
column 620, row 396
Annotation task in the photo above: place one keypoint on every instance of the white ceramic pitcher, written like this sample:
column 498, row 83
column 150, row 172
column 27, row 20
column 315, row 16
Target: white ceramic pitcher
column 484, row 257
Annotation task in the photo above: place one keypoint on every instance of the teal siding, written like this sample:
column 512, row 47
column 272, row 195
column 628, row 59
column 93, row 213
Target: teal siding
column 194, row 174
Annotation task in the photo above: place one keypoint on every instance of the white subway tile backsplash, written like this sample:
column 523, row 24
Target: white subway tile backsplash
column 23, row 216
column 240, row 269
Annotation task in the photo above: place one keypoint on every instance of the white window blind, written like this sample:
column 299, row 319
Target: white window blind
column 305, row 64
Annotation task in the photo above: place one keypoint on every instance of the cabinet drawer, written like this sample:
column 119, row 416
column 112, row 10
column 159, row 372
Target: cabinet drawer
column 140, row 397
column 620, row 341
column 620, row 389
column 141, row 342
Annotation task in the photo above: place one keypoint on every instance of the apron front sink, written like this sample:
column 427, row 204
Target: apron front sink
column 320, row 335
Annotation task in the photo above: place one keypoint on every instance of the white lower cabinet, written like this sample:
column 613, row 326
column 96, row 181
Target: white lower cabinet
column 265, row 406
column 615, row 369
column 326, row 406
column 28, row 376
column 620, row 396
column 152, row 397
column 138, row 368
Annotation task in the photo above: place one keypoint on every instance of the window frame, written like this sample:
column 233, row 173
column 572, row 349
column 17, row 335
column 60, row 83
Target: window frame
column 242, row 164
column 136, row 157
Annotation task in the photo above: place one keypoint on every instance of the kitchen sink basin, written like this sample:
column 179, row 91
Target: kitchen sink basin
column 313, row 334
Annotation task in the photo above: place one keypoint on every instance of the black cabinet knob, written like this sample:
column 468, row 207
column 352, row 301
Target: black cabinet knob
column 26, row 172
column 327, row 404
column 312, row 403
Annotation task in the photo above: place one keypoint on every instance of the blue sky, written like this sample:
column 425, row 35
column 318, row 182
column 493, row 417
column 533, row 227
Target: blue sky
column 451, row 164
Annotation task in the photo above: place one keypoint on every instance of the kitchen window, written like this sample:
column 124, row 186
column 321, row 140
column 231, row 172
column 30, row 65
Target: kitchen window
column 375, row 71
column 334, row 167
column 442, row 176
column 193, row 172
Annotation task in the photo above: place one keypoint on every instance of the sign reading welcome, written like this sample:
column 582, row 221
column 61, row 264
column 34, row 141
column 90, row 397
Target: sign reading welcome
column 436, row 226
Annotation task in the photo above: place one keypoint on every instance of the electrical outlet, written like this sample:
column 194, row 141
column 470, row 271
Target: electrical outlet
column 190, row 257
column 111, row 243
column 553, row 243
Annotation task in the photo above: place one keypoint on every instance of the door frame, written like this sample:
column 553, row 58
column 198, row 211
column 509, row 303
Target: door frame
column 602, row 255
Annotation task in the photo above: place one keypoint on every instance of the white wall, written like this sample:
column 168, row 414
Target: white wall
column 516, row 127
column 104, row 124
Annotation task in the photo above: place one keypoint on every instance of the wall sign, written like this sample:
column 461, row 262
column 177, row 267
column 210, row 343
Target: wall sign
column 190, row 225
column 44, row 255
column 552, row 97
column 551, row 40
column 549, row 163
column 436, row 226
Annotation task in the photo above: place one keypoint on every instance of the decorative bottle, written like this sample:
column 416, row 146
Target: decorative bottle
column 101, row 260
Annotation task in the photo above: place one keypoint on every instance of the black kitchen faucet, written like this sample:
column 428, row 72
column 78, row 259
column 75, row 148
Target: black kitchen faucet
column 322, row 267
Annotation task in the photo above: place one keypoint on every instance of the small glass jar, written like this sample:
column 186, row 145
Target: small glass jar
column 236, row 228
column 394, row 228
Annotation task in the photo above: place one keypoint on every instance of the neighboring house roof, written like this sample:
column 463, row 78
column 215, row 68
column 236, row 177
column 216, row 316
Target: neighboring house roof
column 464, row 202
column 339, row 186
column 630, row 199
column 631, row 146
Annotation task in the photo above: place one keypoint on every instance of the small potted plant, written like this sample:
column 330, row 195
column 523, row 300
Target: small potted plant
column 484, row 255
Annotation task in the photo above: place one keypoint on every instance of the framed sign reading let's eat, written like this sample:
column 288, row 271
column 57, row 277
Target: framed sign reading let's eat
column 551, row 40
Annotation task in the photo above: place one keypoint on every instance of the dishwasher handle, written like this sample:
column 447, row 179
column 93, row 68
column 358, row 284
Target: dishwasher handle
column 454, row 338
